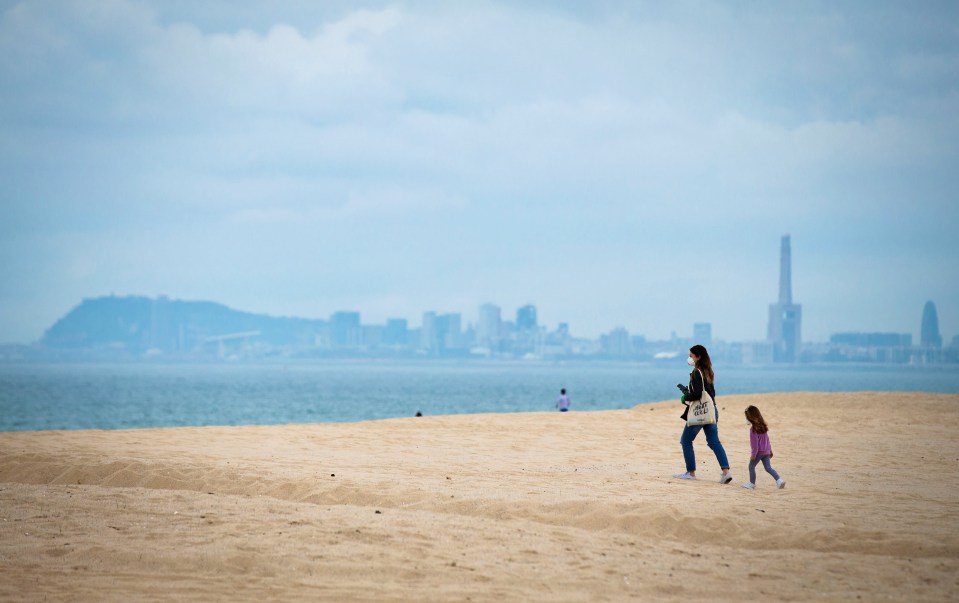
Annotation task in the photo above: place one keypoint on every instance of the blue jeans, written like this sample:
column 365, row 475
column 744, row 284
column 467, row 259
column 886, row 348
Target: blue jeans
column 769, row 469
column 712, row 440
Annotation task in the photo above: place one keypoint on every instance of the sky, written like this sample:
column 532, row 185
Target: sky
column 616, row 164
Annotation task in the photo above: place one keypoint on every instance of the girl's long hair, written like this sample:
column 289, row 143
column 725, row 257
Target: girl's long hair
column 755, row 419
column 704, row 363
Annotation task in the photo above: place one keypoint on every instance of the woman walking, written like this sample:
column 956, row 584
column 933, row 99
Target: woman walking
column 701, row 379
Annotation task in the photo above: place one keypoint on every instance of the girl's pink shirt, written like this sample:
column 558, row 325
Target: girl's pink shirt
column 759, row 444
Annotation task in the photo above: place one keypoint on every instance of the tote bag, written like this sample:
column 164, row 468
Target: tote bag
column 702, row 411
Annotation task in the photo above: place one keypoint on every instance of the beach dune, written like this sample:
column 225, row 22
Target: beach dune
column 577, row 506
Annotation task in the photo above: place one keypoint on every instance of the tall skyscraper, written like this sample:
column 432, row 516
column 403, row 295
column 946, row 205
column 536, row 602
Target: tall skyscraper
column 488, row 327
column 785, row 317
column 449, row 331
column 429, row 336
column 929, row 336
column 526, row 318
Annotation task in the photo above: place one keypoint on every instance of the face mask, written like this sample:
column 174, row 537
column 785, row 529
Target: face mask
column 690, row 361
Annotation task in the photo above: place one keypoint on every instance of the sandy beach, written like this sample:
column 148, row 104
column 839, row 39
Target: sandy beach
column 578, row 506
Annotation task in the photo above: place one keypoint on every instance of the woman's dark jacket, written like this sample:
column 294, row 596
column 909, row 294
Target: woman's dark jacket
column 696, row 391
column 696, row 387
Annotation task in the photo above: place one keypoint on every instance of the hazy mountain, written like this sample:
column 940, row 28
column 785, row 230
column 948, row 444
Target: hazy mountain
column 139, row 324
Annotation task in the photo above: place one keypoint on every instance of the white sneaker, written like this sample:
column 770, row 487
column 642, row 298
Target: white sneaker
column 684, row 476
column 725, row 478
column 780, row 483
column 749, row 486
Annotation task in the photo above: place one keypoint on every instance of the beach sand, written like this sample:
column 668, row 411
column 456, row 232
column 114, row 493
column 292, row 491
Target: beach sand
column 578, row 506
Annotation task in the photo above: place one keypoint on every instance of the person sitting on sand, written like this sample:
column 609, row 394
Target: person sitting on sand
column 702, row 378
column 759, row 448
column 562, row 403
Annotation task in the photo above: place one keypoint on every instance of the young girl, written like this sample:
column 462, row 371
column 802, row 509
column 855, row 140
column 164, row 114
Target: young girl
column 760, row 448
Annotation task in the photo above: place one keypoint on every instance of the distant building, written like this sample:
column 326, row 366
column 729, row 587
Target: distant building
column 929, row 336
column 703, row 334
column 345, row 329
column 638, row 344
column 441, row 334
column 930, row 339
column 396, row 333
column 449, row 332
column 616, row 343
column 526, row 318
column 751, row 352
column 555, row 343
column 785, row 317
column 870, row 347
column 489, row 326
column 372, row 336
column 872, row 340
column 429, row 337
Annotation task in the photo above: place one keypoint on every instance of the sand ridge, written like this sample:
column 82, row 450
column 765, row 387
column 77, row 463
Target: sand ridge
column 576, row 506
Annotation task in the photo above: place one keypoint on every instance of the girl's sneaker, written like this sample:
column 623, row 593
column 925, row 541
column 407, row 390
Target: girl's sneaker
column 780, row 483
column 749, row 486
column 684, row 476
column 725, row 478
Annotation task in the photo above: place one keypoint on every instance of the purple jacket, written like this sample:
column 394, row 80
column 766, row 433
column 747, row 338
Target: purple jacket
column 759, row 444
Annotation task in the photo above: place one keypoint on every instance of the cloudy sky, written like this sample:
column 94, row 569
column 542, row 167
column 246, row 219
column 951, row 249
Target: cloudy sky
column 614, row 163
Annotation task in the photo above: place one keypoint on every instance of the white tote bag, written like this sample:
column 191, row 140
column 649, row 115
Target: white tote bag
column 702, row 411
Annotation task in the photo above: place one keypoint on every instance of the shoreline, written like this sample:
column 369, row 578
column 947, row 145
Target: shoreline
column 535, row 506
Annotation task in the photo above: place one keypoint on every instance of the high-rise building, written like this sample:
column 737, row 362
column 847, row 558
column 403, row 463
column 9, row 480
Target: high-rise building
column 449, row 331
column 703, row 334
column 616, row 342
column 429, row 337
column 345, row 329
column 526, row 318
column 488, row 327
column 785, row 317
column 929, row 336
column 396, row 332
column 441, row 333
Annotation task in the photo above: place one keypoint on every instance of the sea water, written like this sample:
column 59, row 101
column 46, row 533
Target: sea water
column 134, row 395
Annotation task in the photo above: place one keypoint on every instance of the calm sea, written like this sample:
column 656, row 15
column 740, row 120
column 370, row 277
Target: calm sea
column 118, row 396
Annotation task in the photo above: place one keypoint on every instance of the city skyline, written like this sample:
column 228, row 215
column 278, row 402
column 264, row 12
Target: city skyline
column 445, row 328
column 783, row 331
column 619, row 163
column 160, row 329
column 345, row 327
